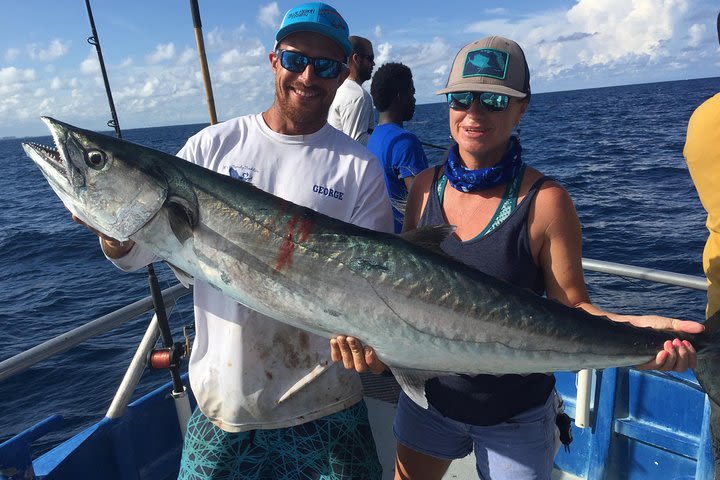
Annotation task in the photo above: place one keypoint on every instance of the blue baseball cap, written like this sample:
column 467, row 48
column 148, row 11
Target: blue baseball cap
column 316, row 17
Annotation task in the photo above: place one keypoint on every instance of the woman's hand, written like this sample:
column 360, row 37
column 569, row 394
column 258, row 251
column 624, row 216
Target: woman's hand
column 677, row 355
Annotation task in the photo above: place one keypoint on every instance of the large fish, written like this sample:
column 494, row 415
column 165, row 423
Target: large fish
column 424, row 313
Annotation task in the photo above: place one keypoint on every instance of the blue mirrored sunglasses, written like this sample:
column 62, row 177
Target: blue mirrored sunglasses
column 492, row 102
column 297, row 62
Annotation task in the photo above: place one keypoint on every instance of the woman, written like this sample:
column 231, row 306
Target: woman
column 515, row 224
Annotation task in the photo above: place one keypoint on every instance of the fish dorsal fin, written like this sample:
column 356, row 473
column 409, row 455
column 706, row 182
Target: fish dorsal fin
column 429, row 237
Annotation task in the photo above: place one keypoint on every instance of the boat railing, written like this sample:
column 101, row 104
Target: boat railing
column 65, row 341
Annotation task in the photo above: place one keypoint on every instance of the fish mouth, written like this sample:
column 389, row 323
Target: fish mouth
column 53, row 161
column 50, row 155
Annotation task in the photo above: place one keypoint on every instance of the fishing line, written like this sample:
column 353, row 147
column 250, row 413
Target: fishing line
column 433, row 146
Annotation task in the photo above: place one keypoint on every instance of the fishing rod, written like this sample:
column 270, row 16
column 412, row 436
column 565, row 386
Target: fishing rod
column 197, row 24
column 169, row 356
column 95, row 41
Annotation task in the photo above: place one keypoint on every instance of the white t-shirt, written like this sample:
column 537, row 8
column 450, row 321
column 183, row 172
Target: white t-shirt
column 352, row 111
column 243, row 364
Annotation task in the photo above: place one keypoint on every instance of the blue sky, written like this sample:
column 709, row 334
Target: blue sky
column 48, row 68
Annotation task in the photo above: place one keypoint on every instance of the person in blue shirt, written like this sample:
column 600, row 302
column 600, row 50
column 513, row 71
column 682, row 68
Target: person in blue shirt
column 399, row 151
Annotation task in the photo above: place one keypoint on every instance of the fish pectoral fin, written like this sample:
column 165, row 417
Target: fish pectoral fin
column 183, row 217
column 412, row 383
column 185, row 278
column 429, row 237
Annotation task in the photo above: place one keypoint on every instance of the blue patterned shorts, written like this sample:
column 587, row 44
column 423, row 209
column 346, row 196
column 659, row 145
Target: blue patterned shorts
column 337, row 447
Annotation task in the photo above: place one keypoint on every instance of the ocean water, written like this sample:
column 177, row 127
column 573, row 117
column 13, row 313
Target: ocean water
column 617, row 150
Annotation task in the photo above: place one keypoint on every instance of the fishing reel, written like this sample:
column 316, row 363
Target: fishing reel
column 170, row 357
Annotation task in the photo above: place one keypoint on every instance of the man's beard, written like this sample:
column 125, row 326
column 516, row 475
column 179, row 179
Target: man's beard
column 302, row 115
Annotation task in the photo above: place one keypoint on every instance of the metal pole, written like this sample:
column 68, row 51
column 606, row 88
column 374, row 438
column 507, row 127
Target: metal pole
column 134, row 371
column 642, row 273
column 197, row 24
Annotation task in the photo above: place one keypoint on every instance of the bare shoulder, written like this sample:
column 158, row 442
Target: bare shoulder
column 424, row 179
column 417, row 198
column 553, row 211
column 551, row 194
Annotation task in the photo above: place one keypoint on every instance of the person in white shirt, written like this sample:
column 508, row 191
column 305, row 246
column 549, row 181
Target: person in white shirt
column 244, row 365
column 352, row 110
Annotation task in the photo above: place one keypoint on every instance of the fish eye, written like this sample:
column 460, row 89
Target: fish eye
column 95, row 159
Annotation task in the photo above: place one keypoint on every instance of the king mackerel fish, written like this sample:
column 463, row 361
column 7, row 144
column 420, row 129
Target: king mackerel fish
column 424, row 313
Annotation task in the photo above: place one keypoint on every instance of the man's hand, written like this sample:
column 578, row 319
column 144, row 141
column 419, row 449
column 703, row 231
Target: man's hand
column 351, row 352
column 113, row 248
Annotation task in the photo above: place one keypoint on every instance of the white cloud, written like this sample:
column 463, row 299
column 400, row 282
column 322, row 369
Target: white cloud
column 14, row 80
column 127, row 62
column 378, row 31
column 90, row 65
column 215, row 39
column 187, row 56
column 11, row 54
column 55, row 50
column 162, row 52
column 148, row 89
column 625, row 29
column 230, row 58
column 11, row 75
column 56, row 83
column 382, row 53
column 269, row 15
column 696, row 34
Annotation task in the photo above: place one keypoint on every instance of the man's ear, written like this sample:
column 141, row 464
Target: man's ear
column 273, row 61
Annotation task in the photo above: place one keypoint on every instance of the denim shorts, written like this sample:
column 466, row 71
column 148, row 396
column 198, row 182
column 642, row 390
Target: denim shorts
column 520, row 448
column 336, row 447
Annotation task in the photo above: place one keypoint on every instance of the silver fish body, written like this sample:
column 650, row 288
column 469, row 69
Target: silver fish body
column 424, row 313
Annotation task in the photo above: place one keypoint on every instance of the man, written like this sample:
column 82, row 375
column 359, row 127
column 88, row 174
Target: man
column 399, row 151
column 702, row 154
column 352, row 110
column 271, row 404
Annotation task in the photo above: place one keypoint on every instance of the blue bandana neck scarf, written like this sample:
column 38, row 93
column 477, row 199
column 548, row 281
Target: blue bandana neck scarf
column 467, row 180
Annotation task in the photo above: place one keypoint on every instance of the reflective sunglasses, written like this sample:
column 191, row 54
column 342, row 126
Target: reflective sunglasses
column 297, row 62
column 492, row 102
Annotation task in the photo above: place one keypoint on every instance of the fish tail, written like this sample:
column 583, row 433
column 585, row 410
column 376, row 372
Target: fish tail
column 708, row 363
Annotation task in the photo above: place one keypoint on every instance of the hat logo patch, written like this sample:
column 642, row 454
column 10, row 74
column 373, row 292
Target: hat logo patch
column 486, row 62
column 300, row 13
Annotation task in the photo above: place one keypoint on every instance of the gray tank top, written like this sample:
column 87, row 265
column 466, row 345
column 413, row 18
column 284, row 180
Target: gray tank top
column 504, row 253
